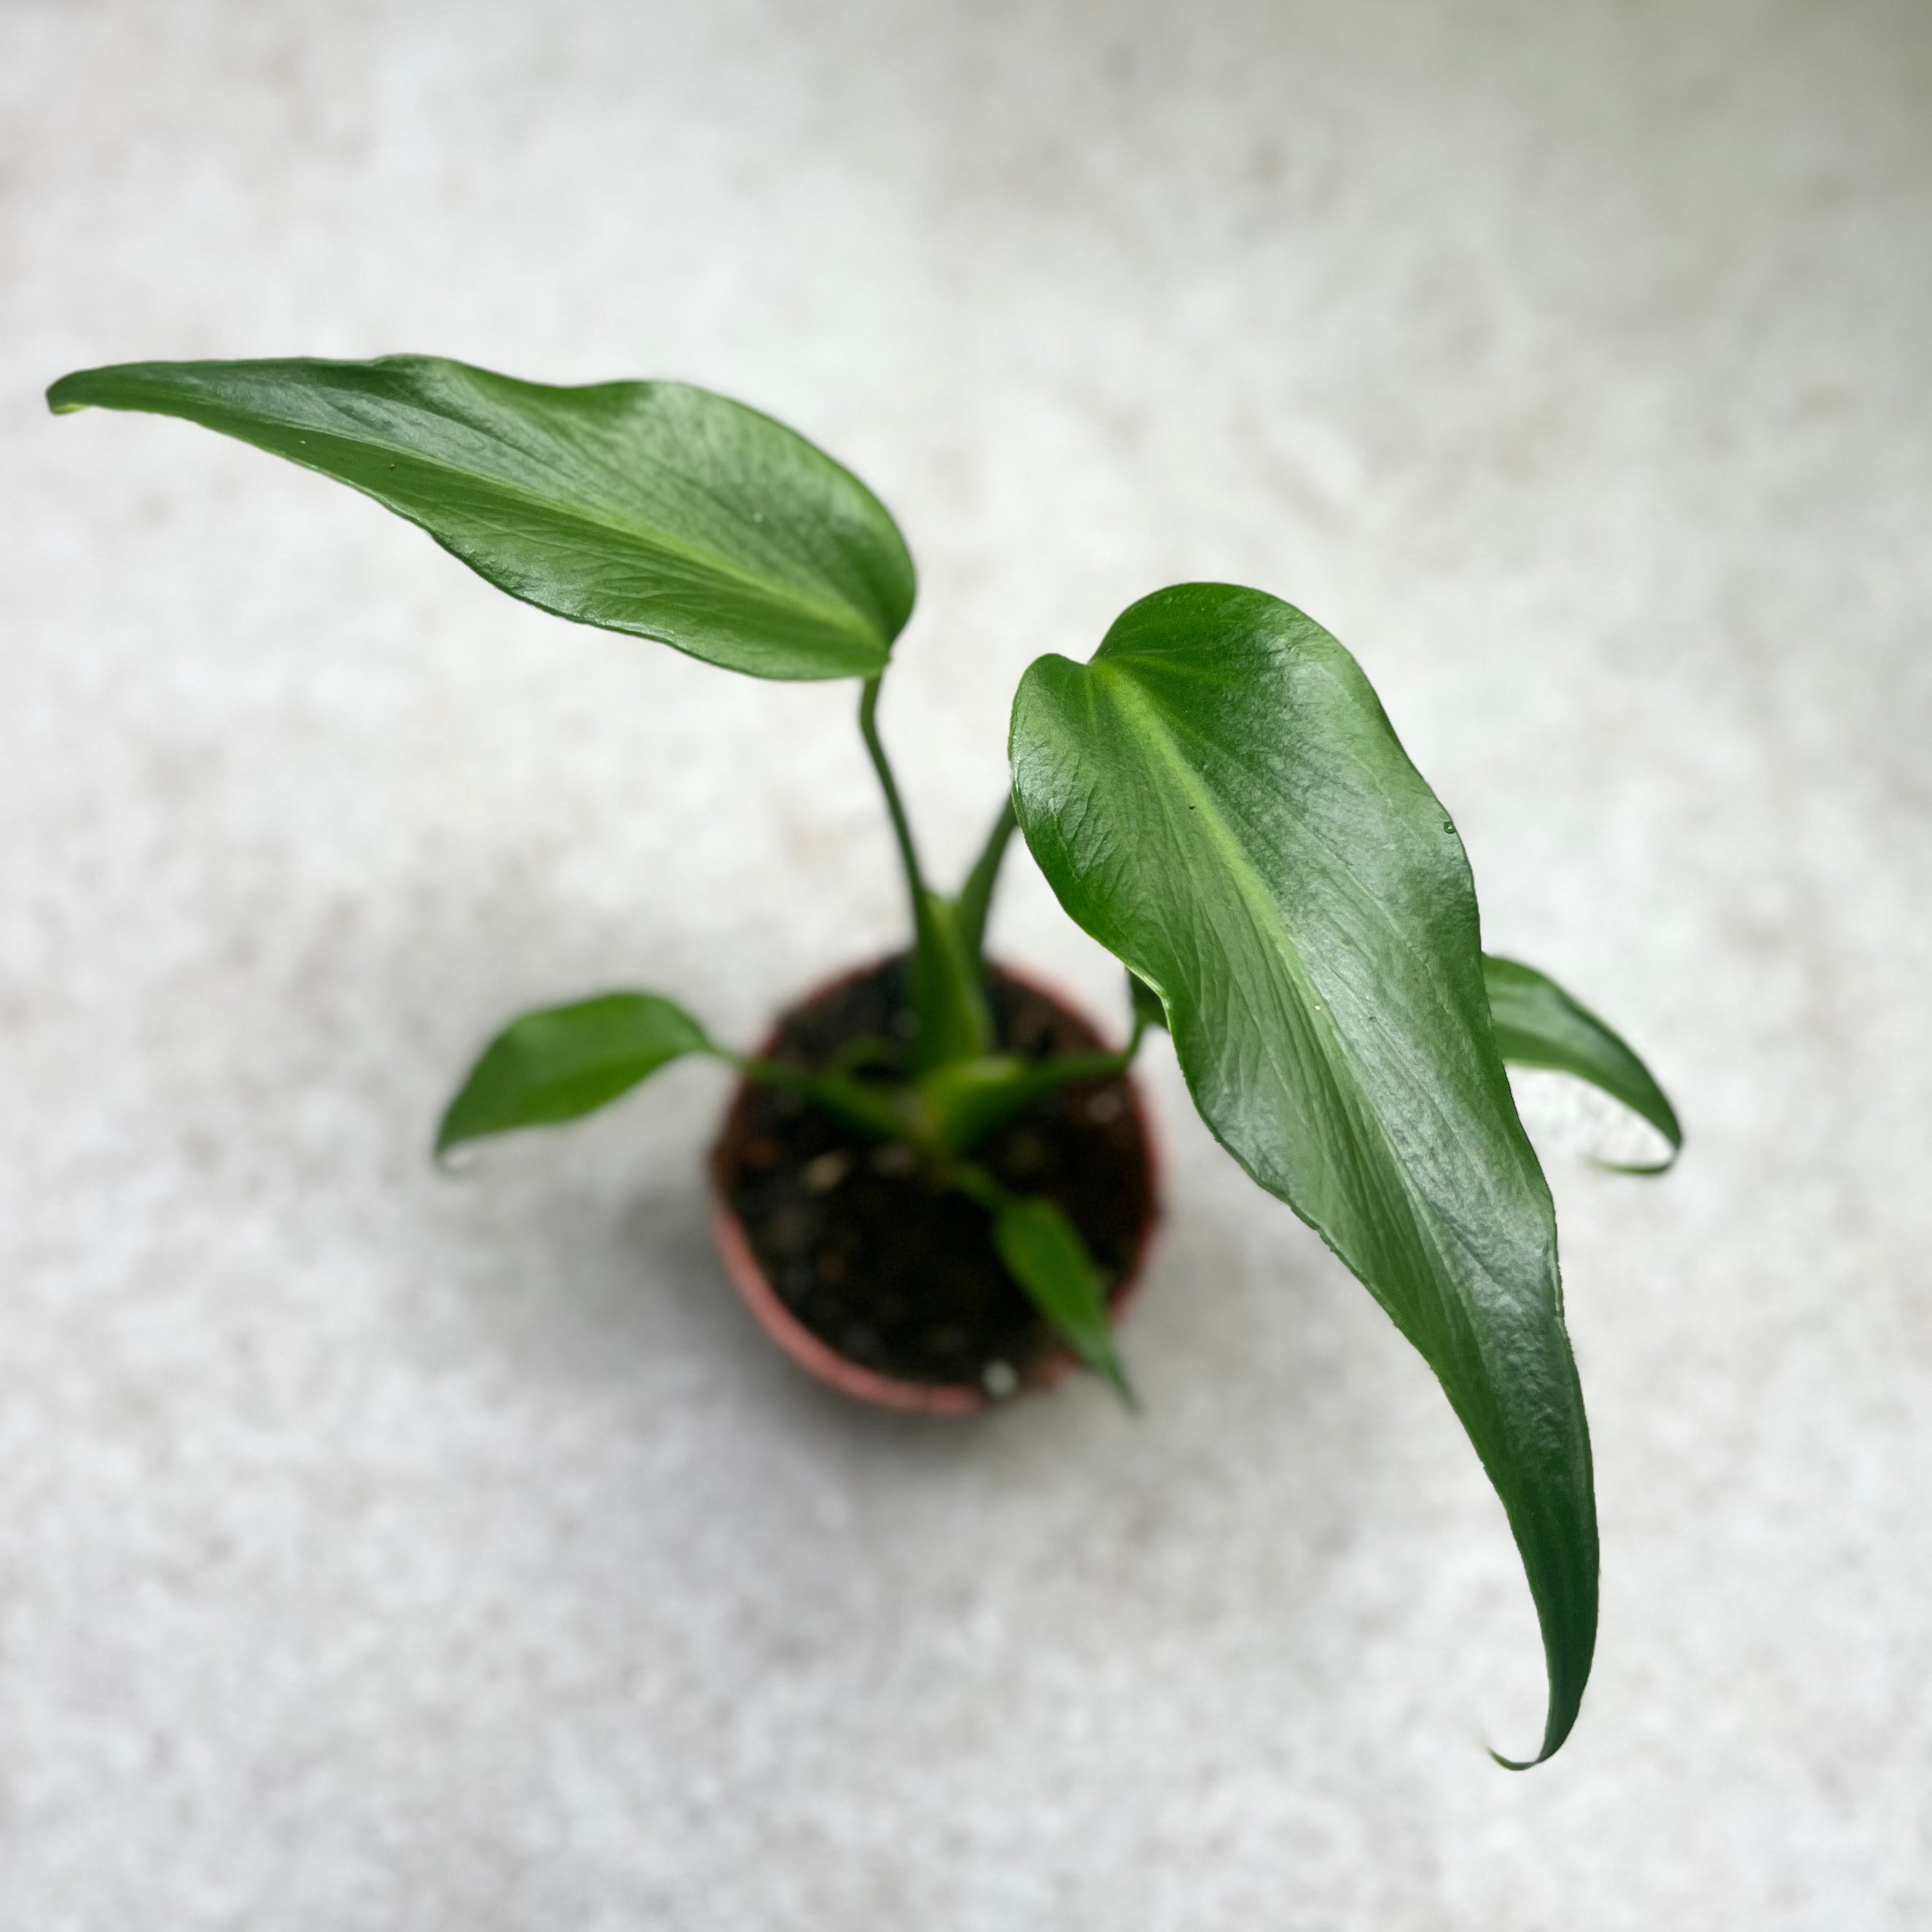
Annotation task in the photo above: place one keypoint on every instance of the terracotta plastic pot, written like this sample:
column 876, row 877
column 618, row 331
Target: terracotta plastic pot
column 817, row 1357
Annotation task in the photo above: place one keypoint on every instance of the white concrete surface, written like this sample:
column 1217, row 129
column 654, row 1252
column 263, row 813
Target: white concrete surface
column 378, row 1551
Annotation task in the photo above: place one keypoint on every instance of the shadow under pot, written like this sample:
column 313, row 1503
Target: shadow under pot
column 877, row 1280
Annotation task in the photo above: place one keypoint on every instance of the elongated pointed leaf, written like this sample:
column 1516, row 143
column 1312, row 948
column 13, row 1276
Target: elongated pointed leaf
column 1220, row 800
column 1044, row 1252
column 650, row 508
column 1537, row 1024
column 564, row 1061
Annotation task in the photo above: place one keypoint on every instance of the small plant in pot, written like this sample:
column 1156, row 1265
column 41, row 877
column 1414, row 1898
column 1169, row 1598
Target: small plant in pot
column 936, row 1182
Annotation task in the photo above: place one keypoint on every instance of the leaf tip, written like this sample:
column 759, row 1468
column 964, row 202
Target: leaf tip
column 1543, row 1756
column 67, row 396
column 1555, row 1734
column 1644, row 1169
column 453, row 1150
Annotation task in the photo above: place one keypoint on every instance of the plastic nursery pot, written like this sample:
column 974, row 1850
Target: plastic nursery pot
column 880, row 1283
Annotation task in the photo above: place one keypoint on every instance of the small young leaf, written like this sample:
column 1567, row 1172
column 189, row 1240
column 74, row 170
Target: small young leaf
column 1044, row 1252
column 1537, row 1024
column 650, row 508
column 564, row 1061
column 1218, row 798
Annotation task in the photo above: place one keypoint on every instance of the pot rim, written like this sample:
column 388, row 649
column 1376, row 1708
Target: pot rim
column 815, row 1355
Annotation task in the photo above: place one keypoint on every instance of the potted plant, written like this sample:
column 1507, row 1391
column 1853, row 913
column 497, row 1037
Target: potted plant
column 936, row 1182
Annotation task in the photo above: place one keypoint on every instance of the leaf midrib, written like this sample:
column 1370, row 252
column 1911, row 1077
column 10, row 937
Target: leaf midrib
column 1264, row 914
column 1274, row 934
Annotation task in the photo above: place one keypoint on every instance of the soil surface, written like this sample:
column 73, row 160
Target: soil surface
column 861, row 1243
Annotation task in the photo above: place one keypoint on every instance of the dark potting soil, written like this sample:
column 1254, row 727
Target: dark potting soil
column 894, row 1271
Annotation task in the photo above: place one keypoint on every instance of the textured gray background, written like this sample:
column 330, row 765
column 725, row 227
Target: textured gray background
column 378, row 1551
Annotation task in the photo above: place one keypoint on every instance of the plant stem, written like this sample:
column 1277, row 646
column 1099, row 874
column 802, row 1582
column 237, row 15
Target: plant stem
column 1049, row 1074
column 975, row 896
column 867, row 1110
column 947, row 1001
column 868, row 728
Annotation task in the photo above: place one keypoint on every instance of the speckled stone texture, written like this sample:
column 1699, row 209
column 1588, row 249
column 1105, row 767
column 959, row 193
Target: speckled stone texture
column 382, row 1551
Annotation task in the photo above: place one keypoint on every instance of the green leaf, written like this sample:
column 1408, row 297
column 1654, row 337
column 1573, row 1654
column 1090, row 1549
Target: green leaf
column 1044, row 1253
column 650, row 508
column 1219, row 799
column 1537, row 1024
column 564, row 1061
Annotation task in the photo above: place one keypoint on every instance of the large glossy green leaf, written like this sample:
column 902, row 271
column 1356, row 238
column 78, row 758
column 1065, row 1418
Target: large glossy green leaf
column 650, row 508
column 1218, row 798
column 1537, row 1024
column 564, row 1061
